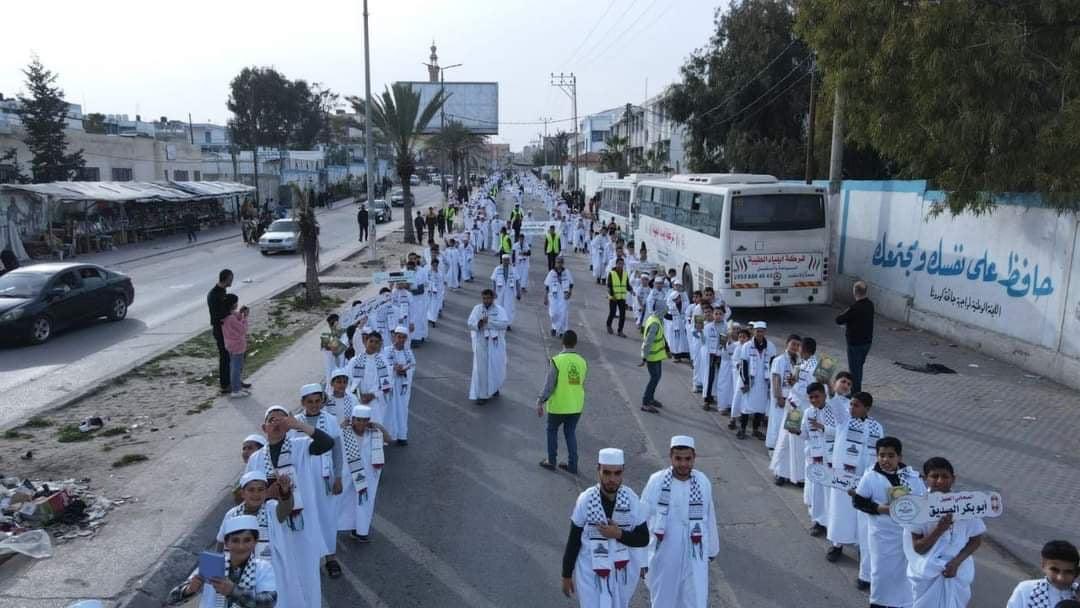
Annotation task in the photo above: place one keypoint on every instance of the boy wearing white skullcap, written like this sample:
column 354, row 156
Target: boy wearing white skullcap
column 604, row 552
column 326, row 503
column 399, row 356
column 682, row 520
column 254, row 578
column 363, row 440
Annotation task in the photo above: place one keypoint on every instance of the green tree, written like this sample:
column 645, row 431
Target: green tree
column 94, row 122
column 613, row 157
column 398, row 115
column 459, row 144
column 44, row 117
column 978, row 97
column 304, row 214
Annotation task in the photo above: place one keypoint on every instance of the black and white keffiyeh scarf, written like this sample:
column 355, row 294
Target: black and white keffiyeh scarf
column 326, row 462
column 608, row 555
column 862, row 434
column 245, row 584
column 355, row 461
column 1040, row 596
column 382, row 371
column 285, row 465
column 695, row 512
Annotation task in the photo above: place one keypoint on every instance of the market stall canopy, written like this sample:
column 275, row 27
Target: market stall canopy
column 129, row 191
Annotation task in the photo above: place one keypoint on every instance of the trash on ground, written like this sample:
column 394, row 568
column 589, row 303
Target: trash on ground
column 33, row 543
column 926, row 368
column 67, row 509
column 973, row 365
column 1028, row 418
column 92, row 423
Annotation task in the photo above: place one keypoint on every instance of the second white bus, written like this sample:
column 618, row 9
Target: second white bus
column 618, row 202
column 757, row 242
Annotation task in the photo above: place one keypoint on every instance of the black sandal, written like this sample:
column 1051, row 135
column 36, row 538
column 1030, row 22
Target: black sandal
column 547, row 465
column 333, row 569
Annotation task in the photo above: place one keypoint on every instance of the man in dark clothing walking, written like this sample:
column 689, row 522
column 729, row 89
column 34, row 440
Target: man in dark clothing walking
column 362, row 220
column 431, row 225
column 418, row 225
column 219, row 309
column 859, row 331
column 190, row 224
column 440, row 222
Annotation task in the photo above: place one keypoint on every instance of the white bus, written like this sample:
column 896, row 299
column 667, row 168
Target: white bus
column 757, row 242
column 618, row 202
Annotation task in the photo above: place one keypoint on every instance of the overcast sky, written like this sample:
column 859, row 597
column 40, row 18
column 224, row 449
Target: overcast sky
column 128, row 56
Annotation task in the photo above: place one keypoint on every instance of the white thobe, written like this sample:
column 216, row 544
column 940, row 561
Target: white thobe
column 397, row 415
column 504, row 281
column 596, row 256
column 369, row 380
column 695, row 338
column 522, row 254
column 789, row 457
column 354, row 515
column 817, row 447
column 782, row 366
column 678, row 576
column 468, row 252
column 930, row 589
column 889, row 585
column 340, row 406
column 489, row 350
column 615, row 592
column 437, row 295
column 675, row 328
column 326, row 503
column 846, row 525
column 716, row 381
column 756, row 400
column 452, row 258
column 294, row 562
column 419, row 305
column 558, row 294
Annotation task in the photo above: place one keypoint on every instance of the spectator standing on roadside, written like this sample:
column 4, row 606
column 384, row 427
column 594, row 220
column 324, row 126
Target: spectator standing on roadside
column 440, row 222
column 362, row 221
column 217, row 302
column 431, row 221
column 235, row 328
column 418, row 225
column 858, row 320
column 191, row 225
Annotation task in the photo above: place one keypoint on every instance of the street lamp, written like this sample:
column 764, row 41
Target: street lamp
column 442, row 119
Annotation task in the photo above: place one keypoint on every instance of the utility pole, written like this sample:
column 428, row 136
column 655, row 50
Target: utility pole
column 810, row 168
column 568, row 84
column 543, row 142
column 442, row 124
column 626, row 144
column 837, row 154
column 369, row 153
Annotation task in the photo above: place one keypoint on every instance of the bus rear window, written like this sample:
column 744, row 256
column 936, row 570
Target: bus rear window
column 777, row 212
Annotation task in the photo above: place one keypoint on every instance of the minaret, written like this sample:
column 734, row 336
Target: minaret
column 433, row 67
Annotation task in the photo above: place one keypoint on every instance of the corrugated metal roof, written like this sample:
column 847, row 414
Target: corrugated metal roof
column 130, row 191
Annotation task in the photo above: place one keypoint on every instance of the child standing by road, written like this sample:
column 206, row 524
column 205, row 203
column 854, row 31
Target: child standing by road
column 234, row 328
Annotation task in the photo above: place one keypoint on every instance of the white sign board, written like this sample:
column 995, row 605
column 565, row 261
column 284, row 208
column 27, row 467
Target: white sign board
column 395, row 276
column 537, row 227
column 910, row 509
column 362, row 309
column 831, row 478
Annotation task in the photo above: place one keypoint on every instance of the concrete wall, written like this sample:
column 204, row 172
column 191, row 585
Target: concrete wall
column 147, row 158
column 1007, row 283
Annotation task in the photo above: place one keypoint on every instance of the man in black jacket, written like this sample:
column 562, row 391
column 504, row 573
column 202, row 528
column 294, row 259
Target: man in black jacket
column 219, row 309
column 362, row 220
column 418, row 225
column 859, row 331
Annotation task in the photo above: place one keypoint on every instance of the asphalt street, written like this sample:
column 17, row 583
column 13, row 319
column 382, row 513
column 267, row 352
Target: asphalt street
column 169, row 307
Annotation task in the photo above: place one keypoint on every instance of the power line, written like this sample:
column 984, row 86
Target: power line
column 614, row 24
column 753, row 78
column 586, row 38
column 624, row 32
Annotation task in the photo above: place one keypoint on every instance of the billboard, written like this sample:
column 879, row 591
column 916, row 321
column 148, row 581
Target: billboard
column 473, row 104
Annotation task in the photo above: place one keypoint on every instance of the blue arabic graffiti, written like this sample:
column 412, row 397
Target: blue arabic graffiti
column 1018, row 280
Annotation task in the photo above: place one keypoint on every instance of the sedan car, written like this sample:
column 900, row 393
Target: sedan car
column 281, row 235
column 382, row 210
column 397, row 197
column 37, row 300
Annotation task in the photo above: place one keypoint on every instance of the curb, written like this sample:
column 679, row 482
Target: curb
column 61, row 403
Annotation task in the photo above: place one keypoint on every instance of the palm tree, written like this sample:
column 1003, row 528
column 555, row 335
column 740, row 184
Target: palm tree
column 460, row 145
column 613, row 158
column 304, row 213
column 398, row 115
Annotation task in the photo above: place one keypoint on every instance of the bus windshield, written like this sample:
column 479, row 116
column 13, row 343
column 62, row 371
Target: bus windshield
column 777, row 212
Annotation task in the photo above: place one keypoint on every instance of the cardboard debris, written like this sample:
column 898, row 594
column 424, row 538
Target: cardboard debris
column 66, row 509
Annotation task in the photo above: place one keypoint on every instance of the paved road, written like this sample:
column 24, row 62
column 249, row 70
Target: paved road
column 170, row 305
column 465, row 517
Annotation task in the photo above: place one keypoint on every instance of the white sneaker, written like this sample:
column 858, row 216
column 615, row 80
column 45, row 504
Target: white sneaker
column 239, row 394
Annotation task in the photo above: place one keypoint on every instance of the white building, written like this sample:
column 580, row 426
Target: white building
column 594, row 129
column 654, row 140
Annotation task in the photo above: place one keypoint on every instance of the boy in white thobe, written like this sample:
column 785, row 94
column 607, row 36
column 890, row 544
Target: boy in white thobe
column 558, row 287
column 296, row 455
column 487, row 326
column 675, row 323
column 818, row 449
column 339, row 401
column 507, row 287
column 782, row 375
column 468, row 252
column 420, row 298
column 255, row 583
column 326, row 503
column 939, row 553
column 364, row 441
column 295, row 563
column 522, row 253
column 714, row 353
column 403, row 365
column 1060, row 563
column 754, row 359
column 604, row 555
column 596, row 255
column 452, row 259
column 853, row 453
column 401, row 314
column 437, row 291
column 788, row 462
column 683, row 525
column 889, row 585
column 370, row 375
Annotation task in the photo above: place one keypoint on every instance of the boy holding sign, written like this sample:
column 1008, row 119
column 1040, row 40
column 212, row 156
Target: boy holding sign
column 940, row 567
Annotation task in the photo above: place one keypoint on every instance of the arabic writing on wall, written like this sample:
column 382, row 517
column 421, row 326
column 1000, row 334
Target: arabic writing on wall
column 1019, row 279
column 968, row 303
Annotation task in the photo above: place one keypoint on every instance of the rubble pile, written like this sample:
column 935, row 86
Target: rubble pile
column 66, row 509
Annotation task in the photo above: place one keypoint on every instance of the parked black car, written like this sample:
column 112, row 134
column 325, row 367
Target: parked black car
column 38, row 300
column 382, row 210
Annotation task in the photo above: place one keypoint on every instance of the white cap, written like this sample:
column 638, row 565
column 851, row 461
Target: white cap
column 682, row 441
column 251, row 476
column 341, row 371
column 237, row 524
column 367, row 330
column 506, row 256
column 275, row 408
column 611, row 456
column 676, row 282
column 400, row 329
column 759, row 325
column 310, row 389
column 361, row 411
column 254, row 438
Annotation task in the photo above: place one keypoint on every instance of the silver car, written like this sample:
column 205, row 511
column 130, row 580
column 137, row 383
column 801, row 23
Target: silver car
column 282, row 235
